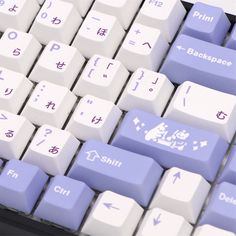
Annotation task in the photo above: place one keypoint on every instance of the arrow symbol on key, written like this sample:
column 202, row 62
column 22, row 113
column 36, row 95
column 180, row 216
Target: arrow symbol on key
column 147, row 43
column 109, row 206
column 3, row 117
column 180, row 48
column 176, row 176
column 156, row 221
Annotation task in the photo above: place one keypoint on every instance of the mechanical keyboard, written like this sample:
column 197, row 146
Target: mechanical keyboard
column 118, row 117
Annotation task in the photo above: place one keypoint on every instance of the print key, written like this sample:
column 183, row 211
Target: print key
column 171, row 144
column 205, row 108
column 49, row 104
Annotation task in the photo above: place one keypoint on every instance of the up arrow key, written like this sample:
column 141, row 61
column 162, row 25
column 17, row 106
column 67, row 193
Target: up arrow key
column 176, row 176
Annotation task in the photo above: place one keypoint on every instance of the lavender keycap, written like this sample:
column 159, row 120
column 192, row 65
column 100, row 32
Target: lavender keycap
column 104, row 167
column 221, row 210
column 206, row 22
column 20, row 185
column 65, row 202
column 231, row 42
column 201, row 62
column 229, row 171
column 1, row 163
column 171, row 144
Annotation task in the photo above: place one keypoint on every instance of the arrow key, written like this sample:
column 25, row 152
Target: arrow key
column 113, row 213
column 181, row 192
column 160, row 222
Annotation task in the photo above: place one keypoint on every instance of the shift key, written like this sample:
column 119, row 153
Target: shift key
column 201, row 62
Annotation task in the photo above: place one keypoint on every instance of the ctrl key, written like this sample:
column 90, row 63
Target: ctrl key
column 20, row 185
column 221, row 210
column 65, row 202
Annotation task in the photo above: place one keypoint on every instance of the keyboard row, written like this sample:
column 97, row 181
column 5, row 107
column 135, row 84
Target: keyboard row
column 68, row 202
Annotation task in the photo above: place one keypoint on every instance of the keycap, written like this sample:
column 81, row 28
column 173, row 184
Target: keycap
column 81, row 5
column 205, row 108
column 20, row 185
column 56, row 20
column 231, row 42
column 170, row 143
column 102, row 77
column 14, row 89
column 15, row 133
column 228, row 6
column 17, row 14
column 207, row 23
column 160, row 222
column 206, row 230
column 18, row 50
column 49, row 104
column 52, row 150
column 65, row 202
column 104, row 167
column 99, row 34
column 146, row 90
column 181, row 192
column 41, row 2
column 221, row 209
column 113, row 213
column 59, row 64
column 1, row 163
column 94, row 118
column 229, row 172
column 143, row 47
column 124, row 10
column 163, row 15
column 201, row 62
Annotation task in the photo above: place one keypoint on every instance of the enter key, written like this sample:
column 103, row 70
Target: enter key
column 201, row 62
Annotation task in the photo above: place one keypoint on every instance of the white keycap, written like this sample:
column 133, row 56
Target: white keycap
column 99, row 34
column 204, row 108
column 52, row 150
column 41, row 2
column 49, row 104
column 94, row 118
column 146, row 90
column 59, row 64
column 17, row 14
column 18, row 50
column 143, row 47
column 162, row 223
column 164, row 15
column 57, row 20
column 124, row 10
column 15, row 133
column 181, row 192
column 14, row 89
column 113, row 214
column 102, row 77
column 207, row 230
column 229, row 6
column 81, row 5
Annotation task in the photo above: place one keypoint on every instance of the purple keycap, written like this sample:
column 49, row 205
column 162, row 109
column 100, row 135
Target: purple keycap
column 201, row 62
column 104, row 167
column 20, row 185
column 1, row 162
column 231, row 42
column 229, row 172
column 221, row 210
column 65, row 202
column 171, row 144
column 206, row 22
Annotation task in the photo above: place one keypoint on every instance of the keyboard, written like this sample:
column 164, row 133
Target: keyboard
column 118, row 117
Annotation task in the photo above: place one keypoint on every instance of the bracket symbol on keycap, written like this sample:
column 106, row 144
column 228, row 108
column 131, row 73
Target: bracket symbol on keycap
column 1, row 78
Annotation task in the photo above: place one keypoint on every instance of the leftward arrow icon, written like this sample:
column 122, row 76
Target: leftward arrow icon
column 3, row 117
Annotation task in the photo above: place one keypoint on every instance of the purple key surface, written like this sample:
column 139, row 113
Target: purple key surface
column 229, row 172
column 171, row 144
column 104, row 167
column 206, row 22
column 231, row 42
column 65, row 202
column 201, row 62
column 20, row 185
column 221, row 210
